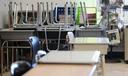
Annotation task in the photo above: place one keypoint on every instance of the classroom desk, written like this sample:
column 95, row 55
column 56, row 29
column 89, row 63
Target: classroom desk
column 10, row 35
column 90, row 32
column 67, row 63
column 62, row 70
column 92, row 43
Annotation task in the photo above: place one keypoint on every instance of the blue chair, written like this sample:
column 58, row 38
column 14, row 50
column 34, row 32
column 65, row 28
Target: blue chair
column 18, row 68
column 35, row 46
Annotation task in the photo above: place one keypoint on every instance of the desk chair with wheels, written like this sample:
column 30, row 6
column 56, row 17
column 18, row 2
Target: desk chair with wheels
column 114, row 38
column 114, row 41
column 36, row 48
column 18, row 68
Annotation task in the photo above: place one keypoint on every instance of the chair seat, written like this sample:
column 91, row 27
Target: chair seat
column 20, row 67
column 114, row 42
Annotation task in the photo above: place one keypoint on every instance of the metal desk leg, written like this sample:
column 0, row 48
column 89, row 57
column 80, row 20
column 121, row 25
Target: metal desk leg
column 2, row 58
column 12, row 55
column 103, row 64
column 1, row 61
column 7, row 68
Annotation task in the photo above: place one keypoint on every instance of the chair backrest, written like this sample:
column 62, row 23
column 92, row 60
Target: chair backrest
column 35, row 46
column 18, row 68
column 114, row 36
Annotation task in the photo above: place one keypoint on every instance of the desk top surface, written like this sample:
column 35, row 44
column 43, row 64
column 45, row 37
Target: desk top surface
column 90, row 40
column 11, row 30
column 61, row 70
column 71, row 57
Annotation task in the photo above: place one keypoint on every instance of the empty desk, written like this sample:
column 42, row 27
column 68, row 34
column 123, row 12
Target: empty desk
column 61, row 70
column 67, row 63
column 92, row 43
column 9, row 34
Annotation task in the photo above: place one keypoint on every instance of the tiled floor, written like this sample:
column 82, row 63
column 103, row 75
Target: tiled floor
column 116, row 69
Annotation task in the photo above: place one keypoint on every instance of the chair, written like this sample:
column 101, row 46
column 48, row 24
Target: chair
column 114, row 38
column 18, row 68
column 35, row 46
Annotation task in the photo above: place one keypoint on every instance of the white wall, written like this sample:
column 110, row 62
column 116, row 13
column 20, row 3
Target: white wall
column 3, row 13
